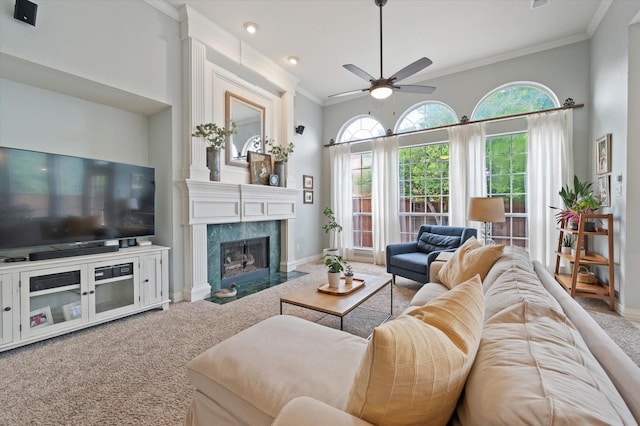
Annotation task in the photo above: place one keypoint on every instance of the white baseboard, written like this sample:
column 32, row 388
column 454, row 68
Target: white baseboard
column 628, row 313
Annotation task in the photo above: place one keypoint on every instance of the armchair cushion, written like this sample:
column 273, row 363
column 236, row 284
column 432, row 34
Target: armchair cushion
column 429, row 242
column 415, row 366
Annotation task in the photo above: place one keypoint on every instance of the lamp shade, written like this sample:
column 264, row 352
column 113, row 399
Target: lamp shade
column 484, row 209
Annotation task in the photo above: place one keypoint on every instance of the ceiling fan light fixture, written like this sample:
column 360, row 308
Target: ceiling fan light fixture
column 381, row 91
column 251, row 27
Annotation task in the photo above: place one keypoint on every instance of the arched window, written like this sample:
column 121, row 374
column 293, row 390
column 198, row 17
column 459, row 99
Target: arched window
column 360, row 127
column 515, row 98
column 426, row 115
column 506, row 154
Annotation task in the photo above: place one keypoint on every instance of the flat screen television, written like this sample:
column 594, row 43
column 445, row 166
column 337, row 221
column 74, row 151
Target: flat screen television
column 49, row 199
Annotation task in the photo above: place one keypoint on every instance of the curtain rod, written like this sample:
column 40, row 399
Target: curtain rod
column 446, row 126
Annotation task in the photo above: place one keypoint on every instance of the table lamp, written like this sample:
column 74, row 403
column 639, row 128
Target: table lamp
column 486, row 210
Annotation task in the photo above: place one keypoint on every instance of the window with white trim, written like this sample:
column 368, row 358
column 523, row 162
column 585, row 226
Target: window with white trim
column 361, row 127
column 506, row 154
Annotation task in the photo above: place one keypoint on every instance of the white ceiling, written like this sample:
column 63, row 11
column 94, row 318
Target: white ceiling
column 454, row 34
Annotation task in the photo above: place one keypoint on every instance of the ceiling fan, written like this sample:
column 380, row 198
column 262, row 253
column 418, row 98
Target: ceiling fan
column 382, row 88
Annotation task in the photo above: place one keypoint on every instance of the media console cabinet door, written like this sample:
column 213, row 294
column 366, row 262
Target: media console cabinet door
column 151, row 279
column 44, row 295
column 8, row 309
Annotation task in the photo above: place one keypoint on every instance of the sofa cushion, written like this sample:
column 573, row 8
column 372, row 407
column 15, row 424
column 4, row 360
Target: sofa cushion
column 429, row 242
column 470, row 259
column 248, row 375
column 427, row 293
column 416, row 261
column 415, row 366
column 533, row 367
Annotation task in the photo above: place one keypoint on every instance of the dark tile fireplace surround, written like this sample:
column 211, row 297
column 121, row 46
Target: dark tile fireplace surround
column 235, row 251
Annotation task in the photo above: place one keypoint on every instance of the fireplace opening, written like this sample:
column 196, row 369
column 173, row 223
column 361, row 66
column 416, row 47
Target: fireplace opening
column 244, row 260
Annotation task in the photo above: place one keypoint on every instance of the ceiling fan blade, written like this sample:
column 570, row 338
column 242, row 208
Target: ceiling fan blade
column 411, row 69
column 350, row 92
column 359, row 72
column 413, row 88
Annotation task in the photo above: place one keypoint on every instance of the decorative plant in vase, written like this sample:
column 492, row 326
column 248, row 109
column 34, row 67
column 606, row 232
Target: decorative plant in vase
column 348, row 274
column 577, row 201
column 216, row 138
column 335, row 264
column 331, row 227
column 567, row 243
column 281, row 154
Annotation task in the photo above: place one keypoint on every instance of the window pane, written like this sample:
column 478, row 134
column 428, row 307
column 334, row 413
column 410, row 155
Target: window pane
column 507, row 167
column 514, row 98
column 426, row 115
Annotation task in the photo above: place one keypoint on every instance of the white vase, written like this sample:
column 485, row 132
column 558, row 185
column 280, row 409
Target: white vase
column 566, row 250
column 574, row 252
column 334, row 279
column 348, row 280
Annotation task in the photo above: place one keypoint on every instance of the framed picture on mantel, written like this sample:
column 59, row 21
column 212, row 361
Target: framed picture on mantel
column 259, row 167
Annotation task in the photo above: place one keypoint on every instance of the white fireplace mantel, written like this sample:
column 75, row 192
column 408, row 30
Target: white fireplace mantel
column 215, row 202
column 207, row 203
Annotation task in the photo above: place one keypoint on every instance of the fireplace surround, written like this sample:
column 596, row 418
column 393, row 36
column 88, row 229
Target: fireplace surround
column 241, row 205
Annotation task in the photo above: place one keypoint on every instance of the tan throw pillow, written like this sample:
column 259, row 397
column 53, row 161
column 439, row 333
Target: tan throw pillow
column 415, row 366
column 470, row 259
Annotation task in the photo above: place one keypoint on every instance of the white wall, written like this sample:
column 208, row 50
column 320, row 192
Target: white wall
column 42, row 120
column 613, row 56
column 308, row 161
column 120, row 52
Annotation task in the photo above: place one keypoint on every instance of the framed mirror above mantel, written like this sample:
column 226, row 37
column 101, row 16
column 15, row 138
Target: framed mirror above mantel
column 249, row 118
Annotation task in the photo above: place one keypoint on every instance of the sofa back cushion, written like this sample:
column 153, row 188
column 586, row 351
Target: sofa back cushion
column 429, row 242
column 533, row 366
column 470, row 259
column 415, row 366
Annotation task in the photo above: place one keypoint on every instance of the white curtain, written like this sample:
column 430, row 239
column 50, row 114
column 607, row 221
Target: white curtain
column 341, row 197
column 467, row 165
column 550, row 166
column 384, row 196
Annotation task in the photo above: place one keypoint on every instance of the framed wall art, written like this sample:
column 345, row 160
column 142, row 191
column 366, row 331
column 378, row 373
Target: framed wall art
column 603, row 154
column 308, row 197
column 307, row 182
column 604, row 185
column 259, row 167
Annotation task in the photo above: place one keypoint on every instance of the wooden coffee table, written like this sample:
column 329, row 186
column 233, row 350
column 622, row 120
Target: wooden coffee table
column 338, row 305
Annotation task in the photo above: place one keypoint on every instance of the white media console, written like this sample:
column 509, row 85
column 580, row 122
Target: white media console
column 47, row 298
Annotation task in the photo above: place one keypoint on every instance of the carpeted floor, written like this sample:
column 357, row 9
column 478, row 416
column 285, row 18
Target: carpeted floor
column 132, row 371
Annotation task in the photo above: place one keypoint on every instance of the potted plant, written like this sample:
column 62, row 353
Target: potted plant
column 577, row 200
column 567, row 243
column 280, row 155
column 348, row 274
column 335, row 264
column 574, row 250
column 216, row 138
column 332, row 228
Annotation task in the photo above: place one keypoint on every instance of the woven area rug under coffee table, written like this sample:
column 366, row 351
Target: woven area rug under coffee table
column 339, row 304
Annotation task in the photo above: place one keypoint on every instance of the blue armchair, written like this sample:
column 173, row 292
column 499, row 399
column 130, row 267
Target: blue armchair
column 412, row 260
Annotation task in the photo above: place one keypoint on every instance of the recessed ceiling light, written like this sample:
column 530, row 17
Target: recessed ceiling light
column 293, row 60
column 251, row 27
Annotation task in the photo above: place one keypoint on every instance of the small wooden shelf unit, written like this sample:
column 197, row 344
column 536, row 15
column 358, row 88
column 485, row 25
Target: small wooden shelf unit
column 599, row 289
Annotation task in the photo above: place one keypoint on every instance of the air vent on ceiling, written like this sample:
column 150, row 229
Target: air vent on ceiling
column 538, row 3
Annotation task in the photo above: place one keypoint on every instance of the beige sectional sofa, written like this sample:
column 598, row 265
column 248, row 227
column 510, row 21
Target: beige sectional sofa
column 540, row 359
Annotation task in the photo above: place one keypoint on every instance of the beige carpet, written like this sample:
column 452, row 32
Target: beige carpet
column 132, row 371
